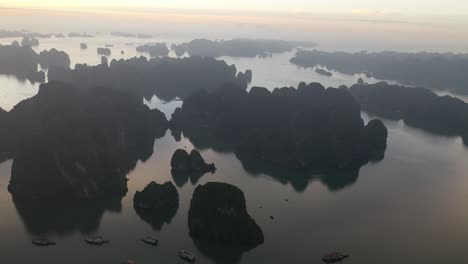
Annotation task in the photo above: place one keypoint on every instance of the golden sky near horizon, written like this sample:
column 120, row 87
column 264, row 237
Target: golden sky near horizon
column 447, row 7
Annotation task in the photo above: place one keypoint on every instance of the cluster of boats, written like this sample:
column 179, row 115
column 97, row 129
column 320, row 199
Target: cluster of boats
column 332, row 257
column 99, row 241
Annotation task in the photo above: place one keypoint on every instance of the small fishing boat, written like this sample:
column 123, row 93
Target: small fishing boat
column 43, row 242
column 150, row 240
column 334, row 257
column 96, row 240
column 186, row 256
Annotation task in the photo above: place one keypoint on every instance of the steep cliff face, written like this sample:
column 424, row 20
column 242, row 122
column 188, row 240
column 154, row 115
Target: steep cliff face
column 69, row 143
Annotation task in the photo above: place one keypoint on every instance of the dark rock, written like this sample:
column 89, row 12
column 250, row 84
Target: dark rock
column 20, row 62
column 68, row 143
column 431, row 70
column 154, row 50
column 167, row 78
column 104, row 61
column 310, row 129
column 323, row 72
column 83, row 46
column 183, row 162
column 236, row 47
column 218, row 214
column 54, row 58
column 157, row 203
column 29, row 42
column 418, row 107
column 104, row 51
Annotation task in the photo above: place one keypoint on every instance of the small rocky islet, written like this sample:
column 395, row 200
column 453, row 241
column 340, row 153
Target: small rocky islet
column 218, row 214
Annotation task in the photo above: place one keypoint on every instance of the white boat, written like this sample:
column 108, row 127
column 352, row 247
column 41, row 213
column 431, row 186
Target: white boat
column 186, row 256
column 43, row 242
column 96, row 240
column 150, row 240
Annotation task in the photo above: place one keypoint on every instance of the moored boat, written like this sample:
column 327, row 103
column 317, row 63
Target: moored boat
column 186, row 256
column 96, row 240
column 334, row 257
column 43, row 242
column 150, row 240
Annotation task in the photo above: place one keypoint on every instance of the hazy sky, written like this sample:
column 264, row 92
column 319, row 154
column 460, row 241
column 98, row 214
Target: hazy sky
column 457, row 7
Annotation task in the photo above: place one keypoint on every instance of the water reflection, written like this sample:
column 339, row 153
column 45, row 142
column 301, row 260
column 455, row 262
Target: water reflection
column 64, row 218
column 180, row 178
column 300, row 179
column 157, row 219
column 218, row 253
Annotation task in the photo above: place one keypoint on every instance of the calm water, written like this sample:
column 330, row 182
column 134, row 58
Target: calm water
column 409, row 208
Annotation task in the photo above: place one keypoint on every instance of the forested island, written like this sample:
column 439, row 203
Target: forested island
column 444, row 71
column 236, row 47
column 22, row 61
column 71, row 143
column 167, row 78
column 309, row 129
column 154, row 49
column 418, row 107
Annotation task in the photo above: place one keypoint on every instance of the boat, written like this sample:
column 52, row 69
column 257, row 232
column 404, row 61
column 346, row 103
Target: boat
column 150, row 240
column 43, row 242
column 334, row 257
column 186, row 256
column 96, row 240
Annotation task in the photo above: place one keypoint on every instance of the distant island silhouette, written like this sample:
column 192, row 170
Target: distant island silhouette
column 236, row 47
column 418, row 107
column 443, row 71
column 167, row 78
column 22, row 61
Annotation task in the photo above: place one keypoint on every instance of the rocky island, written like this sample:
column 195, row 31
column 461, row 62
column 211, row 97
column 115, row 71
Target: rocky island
column 167, row 78
column 323, row 72
column 185, row 167
column 71, row 143
column 418, row 107
column 218, row 215
column 236, row 47
column 54, row 58
column 104, row 51
column 154, row 50
column 157, row 203
column 29, row 42
column 20, row 62
column 444, row 71
column 310, row 128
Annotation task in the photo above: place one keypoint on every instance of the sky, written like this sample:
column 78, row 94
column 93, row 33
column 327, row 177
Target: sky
column 416, row 7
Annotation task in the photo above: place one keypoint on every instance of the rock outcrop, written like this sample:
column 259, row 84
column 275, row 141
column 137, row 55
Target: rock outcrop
column 29, row 42
column 183, row 162
column 418, row 107
column 54, row 58
column 236, row 47
column 157, row 203
column 167, row 78
column 311, row 128
column 218, row 214
column 20, row 62
column 83, row 46
column 69, row 143
column 104, row 51
column 445, row 71
column 155, row 49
